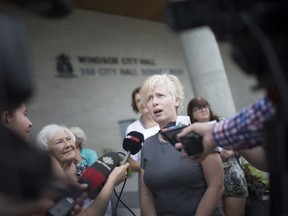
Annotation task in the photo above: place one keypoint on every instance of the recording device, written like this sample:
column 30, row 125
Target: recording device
column 192, row 143
column 132, row 143
column 257, row 31
column 50, row 8
column 95, row 176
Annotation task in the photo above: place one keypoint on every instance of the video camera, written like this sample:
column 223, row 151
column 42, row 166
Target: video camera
column 256, row 29
column 258, row 33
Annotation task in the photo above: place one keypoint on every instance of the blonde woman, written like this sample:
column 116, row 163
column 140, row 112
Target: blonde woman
column 170, row 183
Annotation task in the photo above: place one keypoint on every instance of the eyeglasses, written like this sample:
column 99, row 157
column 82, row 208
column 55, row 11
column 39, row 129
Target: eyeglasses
column 200, row 108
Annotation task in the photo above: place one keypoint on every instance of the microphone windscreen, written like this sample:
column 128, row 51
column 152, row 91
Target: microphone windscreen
column 93, row 177
column 97, row 173
column 133, row 142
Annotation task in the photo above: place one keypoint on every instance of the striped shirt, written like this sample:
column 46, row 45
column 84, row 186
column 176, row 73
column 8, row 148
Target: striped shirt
column 246, row 129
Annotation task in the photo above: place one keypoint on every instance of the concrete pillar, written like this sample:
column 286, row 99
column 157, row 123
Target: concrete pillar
column 206, row 70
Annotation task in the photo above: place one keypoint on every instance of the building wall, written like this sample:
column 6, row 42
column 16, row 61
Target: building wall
column 102, row 59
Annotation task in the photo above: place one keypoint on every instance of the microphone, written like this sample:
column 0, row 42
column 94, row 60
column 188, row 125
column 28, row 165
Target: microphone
column 132, row 143
column 95, row 176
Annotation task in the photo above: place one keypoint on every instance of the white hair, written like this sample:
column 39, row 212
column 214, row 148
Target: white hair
column 48, row 132
column 79, row 134
column 171, row 83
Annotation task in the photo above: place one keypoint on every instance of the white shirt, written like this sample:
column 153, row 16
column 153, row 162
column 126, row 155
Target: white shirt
column 147, row 132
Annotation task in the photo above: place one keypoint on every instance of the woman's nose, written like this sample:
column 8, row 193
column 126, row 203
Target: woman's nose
column 155, row 101
column 30, row 124
column 68, row 143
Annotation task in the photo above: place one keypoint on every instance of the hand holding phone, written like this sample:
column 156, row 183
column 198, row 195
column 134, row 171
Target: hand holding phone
column 192, row 143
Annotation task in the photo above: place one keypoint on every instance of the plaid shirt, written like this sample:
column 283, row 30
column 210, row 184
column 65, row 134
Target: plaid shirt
column 246, row 129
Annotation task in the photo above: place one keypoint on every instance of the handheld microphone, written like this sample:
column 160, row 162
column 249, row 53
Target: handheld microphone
column 95, row 176
column 132, row 143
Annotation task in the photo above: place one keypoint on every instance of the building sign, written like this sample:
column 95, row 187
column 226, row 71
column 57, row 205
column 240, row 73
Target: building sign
column 110, row 66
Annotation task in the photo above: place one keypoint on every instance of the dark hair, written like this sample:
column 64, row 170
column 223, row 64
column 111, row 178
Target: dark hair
column 11, row 109
column 200, row 102
column 133, row 102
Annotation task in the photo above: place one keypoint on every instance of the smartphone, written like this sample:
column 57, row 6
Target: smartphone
column 192, row 143
column 170, row 133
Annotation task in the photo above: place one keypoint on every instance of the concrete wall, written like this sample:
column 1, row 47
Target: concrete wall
column 241, row 84
column 95, row 95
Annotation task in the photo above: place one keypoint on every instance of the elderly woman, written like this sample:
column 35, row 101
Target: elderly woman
column 84, row 155
column 59, row 141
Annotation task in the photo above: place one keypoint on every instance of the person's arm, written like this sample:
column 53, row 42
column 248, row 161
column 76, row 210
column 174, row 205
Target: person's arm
column 41, row 205
column 256, row 157
column 134, row 165
column 214, row 177
column 56, row 168
column 225, row 154
column 64, row 178
column 14, row 207
column 99, row 205
column 146, row 198
column 209, row 144
column 245, row 130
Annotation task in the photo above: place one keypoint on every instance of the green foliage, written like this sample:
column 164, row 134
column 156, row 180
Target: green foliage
column 257, row 181
column 258, row 173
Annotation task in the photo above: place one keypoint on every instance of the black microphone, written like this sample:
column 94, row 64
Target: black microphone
column 95, row 176
column 132, row 143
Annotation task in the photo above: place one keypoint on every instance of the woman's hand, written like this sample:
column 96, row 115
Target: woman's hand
column 225, row 154
column 119, row 174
